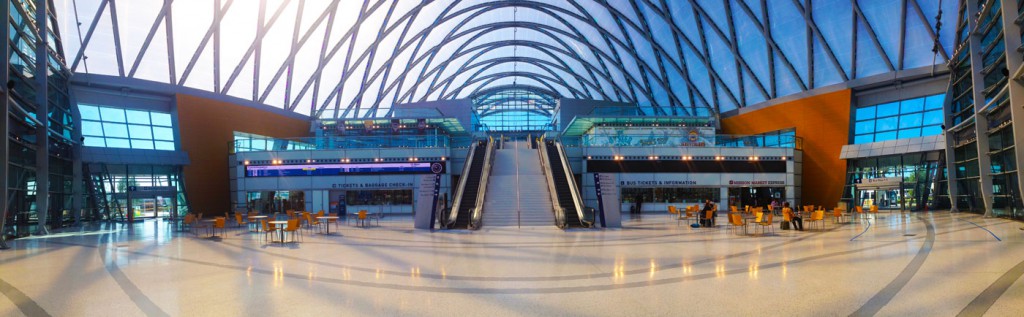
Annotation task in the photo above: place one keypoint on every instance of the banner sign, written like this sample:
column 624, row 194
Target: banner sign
column 373, row 185
column 880, row 182
column 344, row 169
column 748, row 183
column 651, row 136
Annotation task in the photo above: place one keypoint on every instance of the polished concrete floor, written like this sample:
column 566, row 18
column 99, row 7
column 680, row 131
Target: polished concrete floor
column 921, row 264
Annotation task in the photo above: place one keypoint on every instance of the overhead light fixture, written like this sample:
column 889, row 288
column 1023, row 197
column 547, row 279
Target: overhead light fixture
column 246, row 162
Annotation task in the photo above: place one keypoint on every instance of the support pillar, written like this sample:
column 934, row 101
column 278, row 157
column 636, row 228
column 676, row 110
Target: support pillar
column 1015, row 89
column 4, row 134
column 42, row 111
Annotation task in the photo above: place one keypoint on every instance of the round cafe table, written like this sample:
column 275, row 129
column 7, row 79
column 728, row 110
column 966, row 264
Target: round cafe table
column 328, row 224
column 280, row 223
column 255, row 221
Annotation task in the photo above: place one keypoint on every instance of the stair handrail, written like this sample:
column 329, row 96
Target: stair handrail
column 485, row 173
column 457, row 198
column 550, row 180
column 577, row 199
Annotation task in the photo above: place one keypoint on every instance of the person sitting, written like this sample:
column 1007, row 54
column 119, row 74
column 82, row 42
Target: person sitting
column 795, row 219
column 708, row 206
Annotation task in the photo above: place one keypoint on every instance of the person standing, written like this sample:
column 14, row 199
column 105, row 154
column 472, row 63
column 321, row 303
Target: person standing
column 774, row 205
column 638, row 202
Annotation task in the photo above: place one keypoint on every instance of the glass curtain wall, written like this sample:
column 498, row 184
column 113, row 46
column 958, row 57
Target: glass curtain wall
column 24, row 124
column 979, row 112
column 899, row 120
column 922, row 177
column 107, row 188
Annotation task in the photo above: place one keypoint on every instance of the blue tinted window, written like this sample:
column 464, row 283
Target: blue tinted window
column 910, row 120
column 931, row 130
column 126, row 128
column 163, row 133
column 162, row 119
column 89, row 112
column 885, row 136
column 864, row 127
column 932, row 117
column 889, row 109
column 909, row 133
column 934, row 102
column 92, row 128
column 115, row 130
column 140, row 131
column 886, row 124
column 112, row 114
column 118, row 143
column 912, row 105
column 138, row 117
column 94, row 141
column 865, row 113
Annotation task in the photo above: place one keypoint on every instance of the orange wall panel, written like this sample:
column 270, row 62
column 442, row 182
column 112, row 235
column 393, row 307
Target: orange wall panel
column 206, row 128
column 823, row 121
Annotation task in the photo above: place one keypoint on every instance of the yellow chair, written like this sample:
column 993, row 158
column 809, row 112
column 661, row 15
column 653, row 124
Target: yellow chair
column 873, row 211
column 767, row 223
column 291, row 213
column 817, row 217
column 736, row 220
column 293, row 228
column 837, row 213
column 709, row 219
column 310, row 221
column 218, row 223
column 268, row 229
column 239, row 220
column 860, row 212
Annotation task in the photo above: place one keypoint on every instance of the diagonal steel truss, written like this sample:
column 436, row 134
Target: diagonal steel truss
column 358, row 58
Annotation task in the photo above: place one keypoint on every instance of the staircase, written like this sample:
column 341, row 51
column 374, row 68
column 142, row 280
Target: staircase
column 517, row 201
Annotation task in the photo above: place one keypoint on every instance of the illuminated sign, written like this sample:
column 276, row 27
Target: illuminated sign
column 344, row 169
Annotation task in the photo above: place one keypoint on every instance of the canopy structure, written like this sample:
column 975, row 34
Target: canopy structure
column 353, row 59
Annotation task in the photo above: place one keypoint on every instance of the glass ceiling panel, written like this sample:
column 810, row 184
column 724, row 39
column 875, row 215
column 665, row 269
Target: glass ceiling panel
column 319, row 59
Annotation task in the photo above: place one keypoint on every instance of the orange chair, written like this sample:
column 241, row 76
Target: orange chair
column 293, row 229
column 767, row 223
column 268, row 229
column 310, row 221
column 818, row 217
column 239, row 220
column 218, row 223
column 860, row 212
column 837, row 214
column 736, row 220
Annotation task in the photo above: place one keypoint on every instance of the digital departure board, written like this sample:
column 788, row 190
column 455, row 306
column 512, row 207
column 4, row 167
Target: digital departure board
column 344, row 169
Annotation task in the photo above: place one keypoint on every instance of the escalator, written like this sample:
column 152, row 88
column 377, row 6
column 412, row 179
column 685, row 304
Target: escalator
column 565, row 192
column 468, row 198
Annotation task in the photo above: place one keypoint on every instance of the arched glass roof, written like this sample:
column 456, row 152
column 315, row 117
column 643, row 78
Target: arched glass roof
column 348, row 58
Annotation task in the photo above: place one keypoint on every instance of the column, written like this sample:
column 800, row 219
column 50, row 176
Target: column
column 42, row 131
column 1014, row 61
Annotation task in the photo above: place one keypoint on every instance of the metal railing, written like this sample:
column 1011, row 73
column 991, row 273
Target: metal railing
column 457, row 198
column 654, row 140
column 485, row 173
column 550, row 180
column 577, row 199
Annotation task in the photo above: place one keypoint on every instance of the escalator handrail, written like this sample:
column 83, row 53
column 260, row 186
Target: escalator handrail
column 457, row 198
column 577, row 200
column 550, row 180
column 485, row 173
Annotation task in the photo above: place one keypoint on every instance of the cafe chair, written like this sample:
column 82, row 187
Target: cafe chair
column 293, row 229
column 268, row 230
column 239, row 220
column 218, row 223
column 735, row 221
column 837, row 214
column 818, row 217
column 766, row 223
